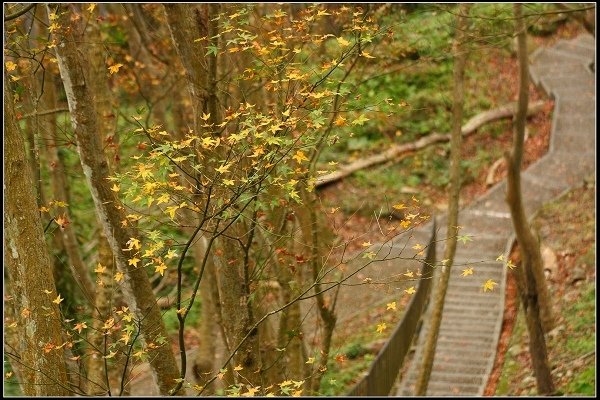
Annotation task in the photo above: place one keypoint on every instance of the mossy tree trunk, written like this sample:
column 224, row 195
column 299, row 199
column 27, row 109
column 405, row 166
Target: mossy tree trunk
column 30, row 271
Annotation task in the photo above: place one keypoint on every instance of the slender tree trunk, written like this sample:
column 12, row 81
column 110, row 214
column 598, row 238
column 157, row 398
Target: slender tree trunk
column 189, row 22
column 96, row 383
column 97, row 79
column 315, row 237
column 59, row 190
column 530, row 250
column 205, row 358
column 30, row 270
column 454, row 192
column 136, row 285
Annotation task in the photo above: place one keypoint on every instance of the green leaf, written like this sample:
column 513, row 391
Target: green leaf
column 212, row 50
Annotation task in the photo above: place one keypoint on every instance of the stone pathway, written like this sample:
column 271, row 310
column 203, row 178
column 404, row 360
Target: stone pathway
column 472, row 320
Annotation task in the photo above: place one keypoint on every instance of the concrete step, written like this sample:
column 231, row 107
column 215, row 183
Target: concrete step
column 552, row 57
column 585, row 40
column 457, row 340
column 556, row 82
column 449, row 377
column 461, row 327
column 576, row 48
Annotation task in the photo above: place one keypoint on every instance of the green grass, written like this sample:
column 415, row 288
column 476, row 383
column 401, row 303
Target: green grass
column 566, row 223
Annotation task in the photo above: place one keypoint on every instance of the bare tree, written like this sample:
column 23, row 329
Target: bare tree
column 527, row 280
column 460, row 55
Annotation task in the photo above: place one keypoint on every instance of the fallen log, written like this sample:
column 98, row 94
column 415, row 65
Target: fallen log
column 470, row 127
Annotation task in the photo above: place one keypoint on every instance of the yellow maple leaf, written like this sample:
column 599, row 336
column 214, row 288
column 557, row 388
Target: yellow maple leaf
column 300, row 157
column 251, row 392
column 91, row 7
column 228, row 182
column 238, row 368
column 417, row 246
column 297, row 393
column 54, row 26
column 160, row 269
column 113, row 69
column 223, row 168
column 171, row 211
column 405, row 223
column 163, row 198
column 340, row 121
column 399, row 206
column 366, row 244
column 467, row 271
column 408, row 274
column 343, row 42
column 10, row 66
column 134, row 261
column 115, row 188
column 510, row 265
column 80, row 326
column 381, row 327
column 110, row 355
column 311, row 360
column 410, row 290
column 119, row 275
column 489, row 285
column 133, row 243
column 500, row 257
column 285, row 383
column 57, row 300
column 391, row 306
column 109, row 323
column 366, row 55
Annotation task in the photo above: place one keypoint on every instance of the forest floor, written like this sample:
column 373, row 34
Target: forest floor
column 567, row 228
column 353, row 350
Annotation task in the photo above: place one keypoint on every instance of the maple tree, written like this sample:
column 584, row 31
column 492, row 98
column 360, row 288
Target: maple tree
column 199, row 130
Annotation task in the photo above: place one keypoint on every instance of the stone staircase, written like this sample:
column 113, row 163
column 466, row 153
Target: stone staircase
column 472, row 320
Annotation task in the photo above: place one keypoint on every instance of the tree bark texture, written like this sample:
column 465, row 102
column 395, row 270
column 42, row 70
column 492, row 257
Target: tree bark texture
column 59, row 190
column 530, row 250
column 460, row 57
column 136, row 285
column 188, row 23
column 30, row 270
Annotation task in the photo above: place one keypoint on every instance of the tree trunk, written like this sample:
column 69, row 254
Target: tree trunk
column 136, row 285
column 30, row 270
column 188, row 22
column 59, row 191
column 460, row 55
column 96, row 384
column 314, row 236
column 236, row 307
column 529, row 286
